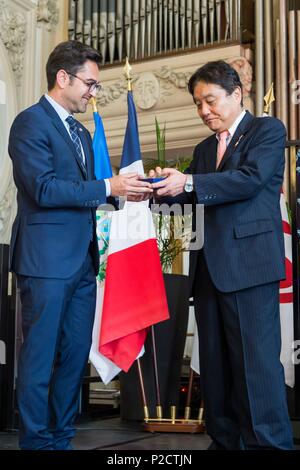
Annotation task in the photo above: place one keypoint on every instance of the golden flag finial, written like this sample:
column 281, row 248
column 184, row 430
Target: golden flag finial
column 127, row 70
column 94, row 105
column 268, row 99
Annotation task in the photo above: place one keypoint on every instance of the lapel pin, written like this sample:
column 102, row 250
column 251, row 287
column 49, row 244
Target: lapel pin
column 238, row 141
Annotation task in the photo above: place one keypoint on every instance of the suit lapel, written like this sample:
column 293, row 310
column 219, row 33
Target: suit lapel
column 57, row 122
column 210, row 157
column 238, row 136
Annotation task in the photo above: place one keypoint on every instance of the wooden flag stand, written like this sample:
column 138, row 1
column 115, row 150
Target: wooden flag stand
column 173, row 424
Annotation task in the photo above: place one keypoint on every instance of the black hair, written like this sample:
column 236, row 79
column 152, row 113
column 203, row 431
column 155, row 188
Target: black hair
column 219, row 73
column 70, row 56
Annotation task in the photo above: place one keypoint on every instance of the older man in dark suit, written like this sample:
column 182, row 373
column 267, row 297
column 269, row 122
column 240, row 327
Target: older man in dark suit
column 54, row 245
column 237, row 173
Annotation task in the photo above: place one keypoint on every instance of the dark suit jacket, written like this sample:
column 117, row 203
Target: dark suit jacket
column 57, row 196
column 243, row 236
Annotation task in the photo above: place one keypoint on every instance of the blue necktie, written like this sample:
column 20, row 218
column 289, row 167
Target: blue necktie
column 75, row 137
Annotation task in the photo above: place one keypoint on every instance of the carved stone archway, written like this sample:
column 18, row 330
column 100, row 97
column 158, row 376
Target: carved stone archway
column 8, row 110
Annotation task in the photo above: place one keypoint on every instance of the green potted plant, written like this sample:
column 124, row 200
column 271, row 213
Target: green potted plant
column 171, row 238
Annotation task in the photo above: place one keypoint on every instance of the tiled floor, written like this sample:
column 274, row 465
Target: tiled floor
column 112, row 433
column 115, row 434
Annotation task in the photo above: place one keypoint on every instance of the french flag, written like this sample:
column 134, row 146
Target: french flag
column 134, row 295
column 286, row 300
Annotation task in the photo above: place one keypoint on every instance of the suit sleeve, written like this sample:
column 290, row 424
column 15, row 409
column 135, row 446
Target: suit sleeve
column 34, row 170
column 263, row 160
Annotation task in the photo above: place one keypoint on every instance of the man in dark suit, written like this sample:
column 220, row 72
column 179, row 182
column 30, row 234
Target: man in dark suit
column 54, row 250
column 237, row 173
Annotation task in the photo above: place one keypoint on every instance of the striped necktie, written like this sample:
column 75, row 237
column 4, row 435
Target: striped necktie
column 75, row 137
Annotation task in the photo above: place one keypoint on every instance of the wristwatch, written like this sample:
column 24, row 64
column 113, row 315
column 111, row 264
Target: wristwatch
column 189, row 185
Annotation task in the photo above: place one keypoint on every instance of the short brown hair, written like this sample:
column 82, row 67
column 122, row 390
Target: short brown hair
column 70, row 56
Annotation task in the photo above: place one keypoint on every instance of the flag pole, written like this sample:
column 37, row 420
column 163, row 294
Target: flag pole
column 187, row 409
column 141, row 379
column 94, row 105
column 157, row 387
column 127, row 70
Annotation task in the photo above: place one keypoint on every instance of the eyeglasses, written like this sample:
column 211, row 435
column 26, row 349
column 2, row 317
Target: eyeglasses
column 91, row 85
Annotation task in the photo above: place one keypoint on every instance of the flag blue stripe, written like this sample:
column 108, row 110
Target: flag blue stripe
column 131, row 148
column 102, row 166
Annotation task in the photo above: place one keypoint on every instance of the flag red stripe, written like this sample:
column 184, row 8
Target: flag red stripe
column 124, row 351
column 134, row 299
column 286, row 227
column 286, row 298
column 288, row 281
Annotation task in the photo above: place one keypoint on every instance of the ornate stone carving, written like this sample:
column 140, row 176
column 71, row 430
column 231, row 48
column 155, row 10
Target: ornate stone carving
column 7, row 212
column 47, row 13
column 13, row 35
column 244, row 69
column 146, row 91
column 167, row 78
column 112, row 93
column 178, row 79
column 166, row 75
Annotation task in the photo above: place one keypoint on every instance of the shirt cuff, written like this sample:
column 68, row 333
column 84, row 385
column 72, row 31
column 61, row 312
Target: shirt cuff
column 108, row 187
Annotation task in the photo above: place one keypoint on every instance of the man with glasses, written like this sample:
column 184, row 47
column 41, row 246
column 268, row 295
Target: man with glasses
column 54, row 249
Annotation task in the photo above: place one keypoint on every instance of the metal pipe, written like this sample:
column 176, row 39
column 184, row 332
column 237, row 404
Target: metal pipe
column 95, row 22
column 269, row 48
column 227, row 19
column 119, row 28
column 283, row 61
column 111, row 29
column 189, row 14
column 259, row 58
column 298, row 66
column 155, row 40
column 142, row 28
column 176, row 22
column 87, row 26
column 149, row 26
column 79, row 20
column 71, row 20
column 127, row 27
column 211, row 14
column 170, row 26
column 135, row 27
column 165, row 15
column 292, row 135
column 278, row 99
column 160, row 17
column 238, row 20
column 218, row 15
column 196, row 22
column 204, row 20
column 103, row 29
column 182, row 10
